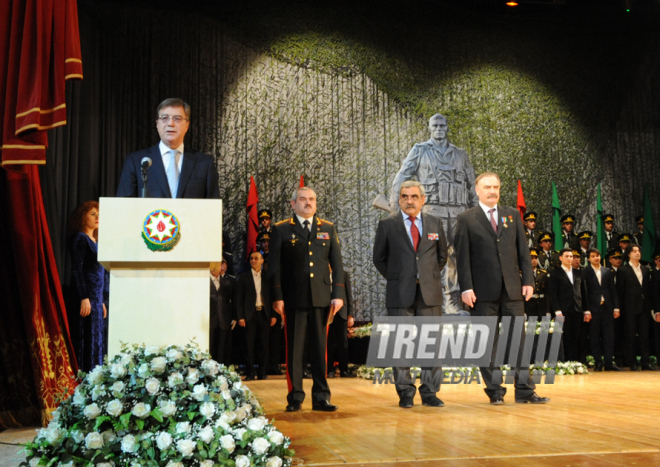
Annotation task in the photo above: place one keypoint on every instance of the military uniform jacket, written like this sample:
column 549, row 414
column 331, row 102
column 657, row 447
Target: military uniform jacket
column 571, row 239
column 298, row 264
column 550, row 263
column 539, row 304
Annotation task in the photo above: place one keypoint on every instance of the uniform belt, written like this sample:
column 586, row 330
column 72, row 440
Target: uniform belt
column 536, row 295
column 258, row 308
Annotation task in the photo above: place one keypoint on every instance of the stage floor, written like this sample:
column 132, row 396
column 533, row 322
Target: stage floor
column 597, row 419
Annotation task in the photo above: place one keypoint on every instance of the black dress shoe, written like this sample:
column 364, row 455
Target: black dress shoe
column 432, row 401
column 532, row 399
column 346, row 374
column 324, row 406
column 331, row 375
column 634, row 368
column 599, row 367
column 649, row 367
column 249, row 377
column 275, row 371
column 496, row 399
column 406, row 402
column 613, row 368
column 264, row 376
column 293, row 407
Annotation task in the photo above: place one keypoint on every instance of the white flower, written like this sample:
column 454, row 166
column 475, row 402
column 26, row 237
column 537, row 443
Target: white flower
column 53, row 434
column 129, row 444
column 199, row 392
column 185, row 447
column 226, row 395
column 256, row 424
column 68, row 464
column 94, row 440
column 175, row 379
column 207, row 409
column 183, row 427
column 228, row 416
column 34, row 462
column 141, row 410
column 174, row 464
column 152, row 386
column 98, row 392
column 167, row 407
column 580, row 370
column 206, row 434
column 211, row 367
column 117, row 389
column 143, row 371
column 274, row 462
column 163, row 440
column 92, row 411
column 193, row 376
column 117, row 370
column 222, row 424
column 109, row 437
column 207, row 463
column 241, row 413
column 126, row 359
column 276, row 437
column 150, row 350
column 105, row 464
column 239, row 433
column 242, row 461
column 77, row 436
column 173, row 355
column 79, row 397
column 223, row 383
column 227, row 442
column 114, row 407
column 95, row 376
column 159, row 364
column 260, row 445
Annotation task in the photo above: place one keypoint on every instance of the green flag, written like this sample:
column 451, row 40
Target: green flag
column 600, row 227
column 556, row 219
column 648, row 237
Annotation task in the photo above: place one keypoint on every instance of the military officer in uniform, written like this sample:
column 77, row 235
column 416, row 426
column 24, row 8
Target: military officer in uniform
column 639, row 220
column 530, row 228
column 448, row 178
column 584, row 238
column 538, row 305
column 569, row 238
column 548, row 258
column 623, row 240
column 304, row 293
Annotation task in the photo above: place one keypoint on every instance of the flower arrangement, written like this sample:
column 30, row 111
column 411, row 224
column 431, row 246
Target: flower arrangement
column 152, row 406
column 360, row 331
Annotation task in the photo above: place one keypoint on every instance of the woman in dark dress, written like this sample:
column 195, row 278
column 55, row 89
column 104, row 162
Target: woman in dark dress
column 89, row 323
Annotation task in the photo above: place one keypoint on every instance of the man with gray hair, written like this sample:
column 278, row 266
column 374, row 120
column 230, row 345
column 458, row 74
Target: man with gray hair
column 448, row 177
column 301, row 250
column 410, row 251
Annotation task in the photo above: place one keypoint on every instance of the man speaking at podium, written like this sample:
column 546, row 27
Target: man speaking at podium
column 171, row 171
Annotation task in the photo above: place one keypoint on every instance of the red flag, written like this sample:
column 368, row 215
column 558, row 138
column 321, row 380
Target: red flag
column 521, row 201
column 302, row 182
column 253, row 218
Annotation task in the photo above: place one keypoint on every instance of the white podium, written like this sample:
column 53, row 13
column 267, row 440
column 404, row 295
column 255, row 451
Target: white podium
column 159, row 296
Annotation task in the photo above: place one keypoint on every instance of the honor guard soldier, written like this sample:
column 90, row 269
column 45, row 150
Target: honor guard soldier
column 611, row 235
column 265, row 218
column 538, row 305
column 615, row 260
column 530, row 228
column 548, row 258
column 569, row 238
column 639, row 220
column 576, row 259
column 585, row 243
column 623, row 241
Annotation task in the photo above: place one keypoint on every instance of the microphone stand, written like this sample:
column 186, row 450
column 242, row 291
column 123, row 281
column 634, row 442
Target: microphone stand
column 143, row 192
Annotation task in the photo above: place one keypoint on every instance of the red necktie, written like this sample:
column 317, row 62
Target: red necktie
column 492, row 219
column 414, row 232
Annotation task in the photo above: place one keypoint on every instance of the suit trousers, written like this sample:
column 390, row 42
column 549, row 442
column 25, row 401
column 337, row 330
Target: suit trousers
column 258, row 328
column 338, row 344
column 601, row 334
column 637, row 330
column 220, row 345
column 299, row 323
column 575, row 337
column 505, row 307
column 431, row 377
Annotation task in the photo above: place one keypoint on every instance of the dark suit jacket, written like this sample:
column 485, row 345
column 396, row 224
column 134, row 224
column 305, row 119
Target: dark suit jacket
column 605, row 289
column 246, row 296
column 198, row 179
column 634, row 297
column 298, row 265
column 567, row 297
column 486, row 259
column 221, row 304
column 397, row 261
column 655, row 289
column 347, row 309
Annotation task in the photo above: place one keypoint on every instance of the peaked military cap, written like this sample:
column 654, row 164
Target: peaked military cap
column 568, row 219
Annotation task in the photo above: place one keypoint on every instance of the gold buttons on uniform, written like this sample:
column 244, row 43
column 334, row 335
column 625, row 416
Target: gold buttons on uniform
column 310, row 253
column 311, row 264
column 311, row 274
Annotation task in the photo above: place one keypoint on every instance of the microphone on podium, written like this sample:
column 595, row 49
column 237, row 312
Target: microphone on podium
column 145, row 164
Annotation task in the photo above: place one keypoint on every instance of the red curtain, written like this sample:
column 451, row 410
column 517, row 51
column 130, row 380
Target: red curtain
column 39, row 51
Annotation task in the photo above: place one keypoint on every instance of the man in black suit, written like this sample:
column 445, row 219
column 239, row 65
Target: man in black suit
column 174, row 173
column 410, row 251
column 495, row 274
column 304, row 293
column 634, row 289
column 568, row 293
column 603, row 301
column 222, row 317
column 655, row 294
column 254, row 313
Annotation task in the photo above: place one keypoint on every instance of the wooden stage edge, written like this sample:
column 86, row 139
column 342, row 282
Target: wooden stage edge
column 603, row 418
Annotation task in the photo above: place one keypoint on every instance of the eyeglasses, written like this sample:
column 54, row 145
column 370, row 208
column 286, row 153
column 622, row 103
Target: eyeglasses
column 176, row 118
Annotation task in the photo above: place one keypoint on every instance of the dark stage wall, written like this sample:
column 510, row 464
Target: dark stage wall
column 339, row 92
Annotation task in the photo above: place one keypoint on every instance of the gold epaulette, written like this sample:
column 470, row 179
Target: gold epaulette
column 284, row 221
column 543, row 270
column 324, row 221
